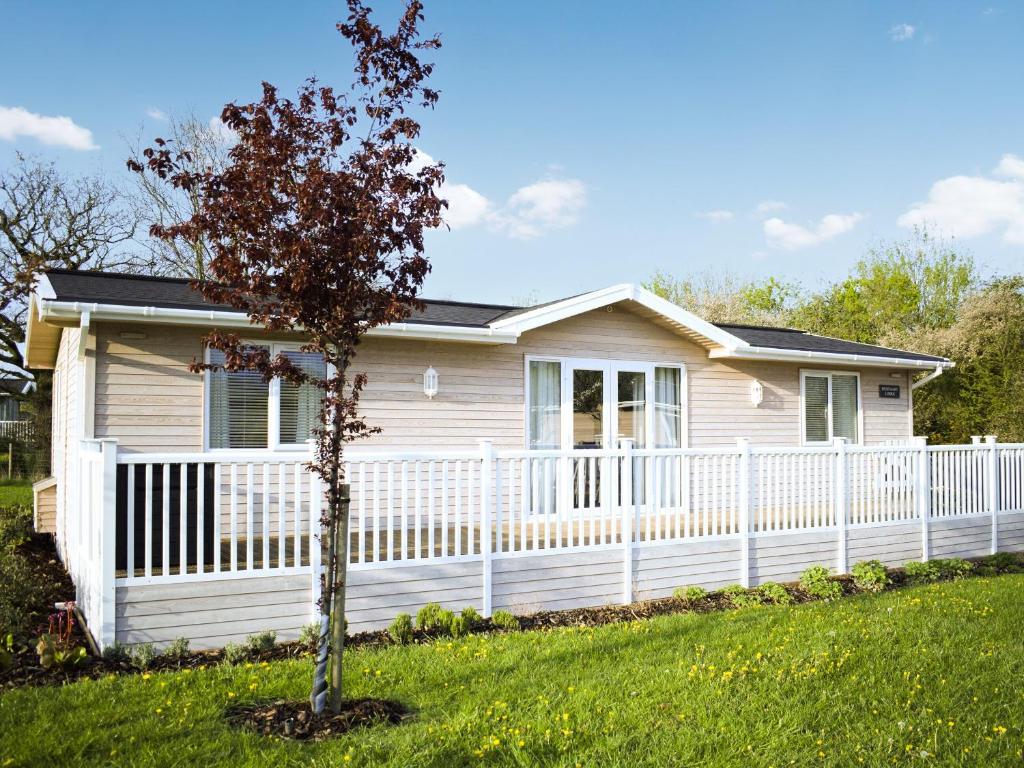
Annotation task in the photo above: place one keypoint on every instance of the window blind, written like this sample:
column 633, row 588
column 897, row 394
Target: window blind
column 238, row 407
column 668, row 410
column 816, row 409
column 300, row 403
column 844, row 407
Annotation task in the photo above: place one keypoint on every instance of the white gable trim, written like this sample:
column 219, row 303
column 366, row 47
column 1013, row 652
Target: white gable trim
column 577, row 305
column 804, row 356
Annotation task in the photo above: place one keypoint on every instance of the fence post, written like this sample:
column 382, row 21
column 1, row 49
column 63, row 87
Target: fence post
column 104, row 634
column 923, row 494
column 317, row 548
column 841, row 499
column 486, row 488
column 628, row 513
column 743, row 443
column 992, row 488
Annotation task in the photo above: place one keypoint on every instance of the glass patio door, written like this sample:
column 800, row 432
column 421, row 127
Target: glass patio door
column 589, row 408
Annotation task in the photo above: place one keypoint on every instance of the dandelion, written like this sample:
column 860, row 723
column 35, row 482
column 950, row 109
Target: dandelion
column 999, row 729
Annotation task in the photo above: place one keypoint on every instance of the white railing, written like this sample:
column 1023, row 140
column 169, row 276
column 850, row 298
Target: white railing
column 15, row 430
column 194, row 517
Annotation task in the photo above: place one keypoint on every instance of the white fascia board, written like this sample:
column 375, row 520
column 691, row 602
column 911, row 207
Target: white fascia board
column 57, row 310
column 803, row 356
column 586, row 302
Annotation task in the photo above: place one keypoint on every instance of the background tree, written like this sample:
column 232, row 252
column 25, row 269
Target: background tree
column 200, row 147
column 316, row 224
column 726, row 299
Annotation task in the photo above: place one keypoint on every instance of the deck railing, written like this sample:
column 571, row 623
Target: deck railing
column 155, row 518
column 15, row 430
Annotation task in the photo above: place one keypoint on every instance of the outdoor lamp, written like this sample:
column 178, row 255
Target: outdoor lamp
column 430, row 382
column 756, row 393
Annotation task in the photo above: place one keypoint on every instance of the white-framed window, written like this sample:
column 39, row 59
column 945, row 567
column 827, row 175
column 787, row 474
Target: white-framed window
column 830, row 406
column 586, row 403
column 243, row 412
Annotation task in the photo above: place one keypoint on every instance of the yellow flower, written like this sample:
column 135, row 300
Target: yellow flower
column 999, row 729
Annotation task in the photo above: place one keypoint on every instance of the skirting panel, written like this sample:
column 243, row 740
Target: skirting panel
column 894, row 545
column 658, row 569
column 1011, row 532
column 963, row 537
column 557, row 581
column 782, row 557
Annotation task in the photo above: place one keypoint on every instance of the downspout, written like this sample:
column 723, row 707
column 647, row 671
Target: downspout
column 930, row 377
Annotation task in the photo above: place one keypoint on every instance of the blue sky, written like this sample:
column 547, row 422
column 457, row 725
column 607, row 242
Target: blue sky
column 590, row 143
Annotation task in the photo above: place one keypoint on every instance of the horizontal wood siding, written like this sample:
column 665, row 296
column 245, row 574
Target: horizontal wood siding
column 966, row 537
column 892, row 544
column 45, row 501
column 376, row 595
column 212, row 613
column 783, row 557
column 1011, row 532
column 658, row 569
column 557, row 581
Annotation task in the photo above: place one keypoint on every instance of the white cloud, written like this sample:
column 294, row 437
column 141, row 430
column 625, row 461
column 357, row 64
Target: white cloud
column 716, row 216
column 970, row 206
column 901, row 32
column 56, row 131
column 156, row 114
column 769, row 206
column 790, row 237
column 221, row 131
column 466, row 206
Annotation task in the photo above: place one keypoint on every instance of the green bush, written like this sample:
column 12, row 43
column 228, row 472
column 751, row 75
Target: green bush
column 177, row 649
column 309, row 636
column 472, row 617
column 955, row 568
column 870, row 576
column 817, row 581
column 401, row 629
column 235, row 653
column 15, row 527
column 504, row 620
column 1000, row 562
column 740, row 597
column 691, row 594
column 117, row 653
column 922, row 573
column 142, row 655
column 775, row 593
column 433, row 618
column 457, row 626
column 261, row 642
column 23, row 595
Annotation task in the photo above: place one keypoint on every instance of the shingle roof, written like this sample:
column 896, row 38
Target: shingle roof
column 791, row 338
column 145, row 290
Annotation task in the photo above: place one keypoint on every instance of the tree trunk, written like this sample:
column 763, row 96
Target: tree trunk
column 339, row 578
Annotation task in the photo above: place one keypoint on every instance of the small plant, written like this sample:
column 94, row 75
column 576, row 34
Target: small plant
column 922, row 573
column 117, row 653
column 177, row 649
column 235, row 653
column 401, row 629
column 775, row 593
column 7, row 652
column 740, row 597
column 142, row 655
column 817, row 581
column 309, row 636
column 261, row 642
column 55, row 646
column 1000, row 562
column 955, row 568
column 432, row 617
column 870, row 576
column 472, row 617
column 457, row 626
column 691, row 594
column 504, row 620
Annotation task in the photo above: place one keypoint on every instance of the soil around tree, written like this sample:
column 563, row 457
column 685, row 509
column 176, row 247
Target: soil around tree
column 296, row 720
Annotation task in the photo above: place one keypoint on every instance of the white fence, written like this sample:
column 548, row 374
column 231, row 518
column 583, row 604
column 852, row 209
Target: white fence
column 195, row 518
column 15, row 430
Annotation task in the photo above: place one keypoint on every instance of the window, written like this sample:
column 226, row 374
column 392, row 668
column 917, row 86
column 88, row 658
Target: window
column 245, row 412
column 587, row 404
column 831, row 406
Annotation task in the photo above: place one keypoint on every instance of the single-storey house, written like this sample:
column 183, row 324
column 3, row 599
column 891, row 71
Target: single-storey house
column 594, row 449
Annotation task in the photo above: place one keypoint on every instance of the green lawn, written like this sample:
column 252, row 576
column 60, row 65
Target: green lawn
column 15, row 492
column 932, row 675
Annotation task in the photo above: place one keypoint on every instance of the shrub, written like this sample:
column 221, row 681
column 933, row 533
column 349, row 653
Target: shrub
column 1000, row 562
column 309, row 636
column 432, row 617
column 117, row 653
column 261, row 642
column 235, row 653
column 817, row 581
column 504, row 620
column 870, row 576
column 401, row 629
column 922, row 573
column 955, row 568
column 142, row 655
column 691, row 594
column 740, row 597
column 23, row 595
column 457, row 626
column 177, row 649
column 15, row 527
column 775, row 593
column 472, row 617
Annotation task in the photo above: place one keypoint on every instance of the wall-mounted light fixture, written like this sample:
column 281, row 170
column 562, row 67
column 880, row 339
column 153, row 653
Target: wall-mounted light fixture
column 756, row 393
column 430, row 384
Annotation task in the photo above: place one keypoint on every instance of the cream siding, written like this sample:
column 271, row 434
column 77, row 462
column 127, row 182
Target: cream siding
column 147, row 398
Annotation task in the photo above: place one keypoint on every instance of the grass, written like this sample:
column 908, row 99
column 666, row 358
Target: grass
column 15, row 492
column 930, row 675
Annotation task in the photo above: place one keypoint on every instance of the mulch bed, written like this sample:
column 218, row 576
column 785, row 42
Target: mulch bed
column 295, row 720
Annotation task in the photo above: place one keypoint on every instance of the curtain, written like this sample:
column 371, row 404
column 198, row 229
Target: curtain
column 632, row 406
column 844, row 407
column 816, row 409
column 545, row 404
column 300, row 404
column 238, row 407
column 668, row 408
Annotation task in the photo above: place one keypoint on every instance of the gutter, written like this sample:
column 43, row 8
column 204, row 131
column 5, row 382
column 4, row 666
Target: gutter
column 939, row 370
column 800, row 355
column 57, row 311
